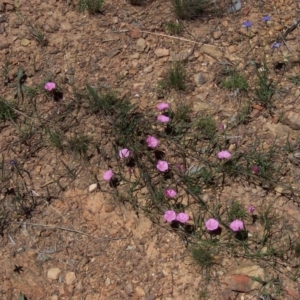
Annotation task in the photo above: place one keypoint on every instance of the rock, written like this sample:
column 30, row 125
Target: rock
column 292, row 119
column 140, row 292
column 133, row 71
column 278, row 130
column 93, row 187
column 108, row 208
column 113, row 52
column 129, row 288
column 282, row 190
column 70, row 78
column 70, row 278
column 115, row 20
column 135, row 33
column 70, row 71
column 140, row 45
column 238, row 278
column 278, row 27
column 53, row 273
column 202, row 96
column 199, row 79
column 211, row 50
column 236, row 6
column 79, row 286
column 134, row 56
column 31, row 253
column 198, row 106
column 239, row 283
column 161, row 52
column 4, row 46
column 182, row 55
column 54, row 297
column 66, row 26
column 25, row 42
column 48, row 28
column 62, row 290
column 217, row 35
column 107, row 282
column 148, row 69
column 9, row 7
column 2, row 28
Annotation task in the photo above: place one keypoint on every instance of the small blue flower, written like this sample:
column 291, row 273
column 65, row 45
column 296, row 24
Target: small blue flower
column 266, row 18
column 247, row 24
column 11, row 162
column 276, row 45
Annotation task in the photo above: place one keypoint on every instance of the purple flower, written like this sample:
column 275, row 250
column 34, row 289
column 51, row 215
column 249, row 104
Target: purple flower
column 236, row 225
column 162, row 106
column 170, row 193
column 224, row 154
column 108, row 175
column 11, row 162
column 182, row 217
column 212, row 224
column 163, row 119
column 255, row 169
column 266, row 18
column 276, row 45
column 170, row 216
column 124, row 153
column 247, row 24
column 49, row 86
column 152, row 142
column 162, row 166
column 251, row 209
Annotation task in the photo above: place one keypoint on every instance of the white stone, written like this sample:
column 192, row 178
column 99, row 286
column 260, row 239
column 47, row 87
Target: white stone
column 161, row 52
column 93, row 187
column 236, row 6
column 148, row 69
column 140, row 45
column 70, row 278
column 53, row 273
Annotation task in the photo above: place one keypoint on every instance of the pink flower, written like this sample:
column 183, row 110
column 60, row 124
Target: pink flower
column 170, row 193
column 170, row 216
column 255, row 169
column 124, row 153
column 182, row 217
column 224, row 154
column 236, row 225
column 251, row 209
column 49, row 86
column 162, row 166
column 180, row 167
column 222, row 126
column 212, row 224
column 163, row 119
column 162, row 106
column 152, row 142
column 108, row 175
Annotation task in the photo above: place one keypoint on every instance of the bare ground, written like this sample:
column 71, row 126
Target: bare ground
column 102, row 248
